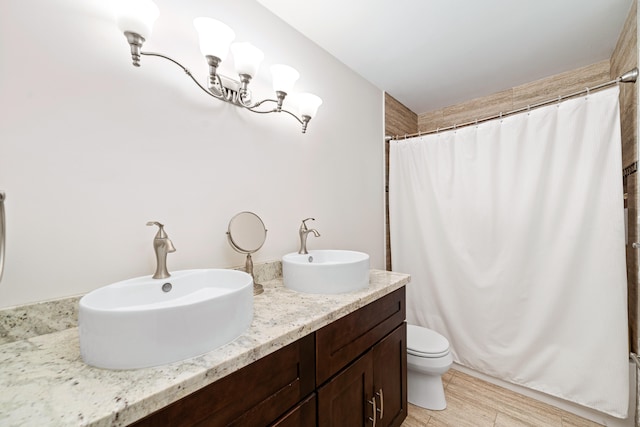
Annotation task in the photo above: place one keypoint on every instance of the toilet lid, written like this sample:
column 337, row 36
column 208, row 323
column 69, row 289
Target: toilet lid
column 423, row 342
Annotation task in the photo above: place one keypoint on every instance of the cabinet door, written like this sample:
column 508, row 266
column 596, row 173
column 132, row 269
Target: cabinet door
column 345, row 400
column 390, row 378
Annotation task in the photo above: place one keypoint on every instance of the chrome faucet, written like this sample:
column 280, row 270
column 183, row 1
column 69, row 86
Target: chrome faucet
column 304, row 232
column 162, row 245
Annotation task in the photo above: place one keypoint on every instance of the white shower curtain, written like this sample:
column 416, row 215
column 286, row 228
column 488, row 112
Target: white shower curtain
column 513, row 233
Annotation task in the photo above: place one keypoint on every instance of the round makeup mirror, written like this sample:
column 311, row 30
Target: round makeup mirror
column 247, row 234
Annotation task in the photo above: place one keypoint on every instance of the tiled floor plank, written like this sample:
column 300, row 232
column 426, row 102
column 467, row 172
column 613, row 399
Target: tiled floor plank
column 472, row 402
column 461, row 412
column 435, row 423
column 571, row 420
column 504, row 420
column 415, row 418
column 516, row 406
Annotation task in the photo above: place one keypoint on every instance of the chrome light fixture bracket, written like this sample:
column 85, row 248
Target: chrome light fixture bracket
column 305, row 122
column 221, row 87
column 226, row 88
column 213, row 62
column 135, row 41
column 229, row 90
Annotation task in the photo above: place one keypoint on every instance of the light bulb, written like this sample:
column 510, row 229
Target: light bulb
column 137, row 16
column 215, row 37
column 284, row 77
column 247, row 58
column 308, row 104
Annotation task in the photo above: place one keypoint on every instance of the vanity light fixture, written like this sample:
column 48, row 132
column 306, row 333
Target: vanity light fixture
column 136, row 18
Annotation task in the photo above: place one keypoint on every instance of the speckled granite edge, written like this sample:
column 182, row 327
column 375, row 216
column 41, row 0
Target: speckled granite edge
column 31, row 320
column 40, row 318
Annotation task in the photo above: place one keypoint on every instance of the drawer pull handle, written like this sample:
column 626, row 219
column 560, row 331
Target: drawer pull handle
column 375, row 410
column 381, row 408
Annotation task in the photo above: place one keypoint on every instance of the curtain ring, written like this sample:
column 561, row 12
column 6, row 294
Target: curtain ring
column 405, row 136
column 588, row 92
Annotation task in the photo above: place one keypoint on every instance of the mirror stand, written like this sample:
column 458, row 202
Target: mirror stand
column 248, row 267
column 247, row 234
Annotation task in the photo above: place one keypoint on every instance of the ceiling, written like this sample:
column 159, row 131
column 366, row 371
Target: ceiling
column 429, row 54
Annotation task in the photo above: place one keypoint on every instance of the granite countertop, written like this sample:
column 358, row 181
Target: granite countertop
column 44, row 381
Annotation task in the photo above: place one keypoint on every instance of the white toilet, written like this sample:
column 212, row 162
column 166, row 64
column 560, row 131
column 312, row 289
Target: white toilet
column 428, row 357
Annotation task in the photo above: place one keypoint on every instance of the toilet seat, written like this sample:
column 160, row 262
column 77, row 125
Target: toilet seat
column 423, row 342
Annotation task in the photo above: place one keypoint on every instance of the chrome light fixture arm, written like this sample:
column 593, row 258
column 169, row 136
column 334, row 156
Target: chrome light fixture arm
column 187, row 72
column 304, row 121
column 276, row 109
column 217, row 89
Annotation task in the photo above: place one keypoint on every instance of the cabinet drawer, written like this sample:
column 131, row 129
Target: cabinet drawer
column 255, row 395
column 303, row 415
column 341, row 342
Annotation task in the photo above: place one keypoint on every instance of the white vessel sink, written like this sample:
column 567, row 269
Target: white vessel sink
column 136, row 324
column 326, row 271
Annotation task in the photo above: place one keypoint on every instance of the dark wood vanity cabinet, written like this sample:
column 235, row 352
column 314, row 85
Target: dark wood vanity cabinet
column 390, row 378
column 332, row 377
column 374, row 385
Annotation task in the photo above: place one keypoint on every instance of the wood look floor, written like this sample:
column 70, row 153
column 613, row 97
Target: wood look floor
column 472, row 402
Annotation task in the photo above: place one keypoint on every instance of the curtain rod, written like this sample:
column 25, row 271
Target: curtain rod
column 628, row 77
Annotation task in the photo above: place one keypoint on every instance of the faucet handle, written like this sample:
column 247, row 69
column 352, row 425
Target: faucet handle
column 304, row 225
column 160, row 234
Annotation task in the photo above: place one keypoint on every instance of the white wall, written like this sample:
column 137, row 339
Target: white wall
column 91, row 148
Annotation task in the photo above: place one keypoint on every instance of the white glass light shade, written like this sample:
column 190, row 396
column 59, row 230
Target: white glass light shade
column 308, row 104
column 215, row 37
column 284, row 77
column 137, row 16
column 247, row 58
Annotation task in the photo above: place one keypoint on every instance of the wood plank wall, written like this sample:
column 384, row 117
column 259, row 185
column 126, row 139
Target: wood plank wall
column 399, row 120
column 516, row 97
